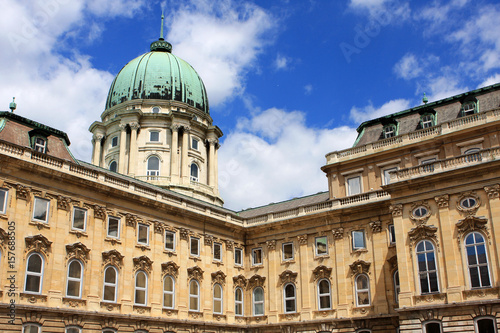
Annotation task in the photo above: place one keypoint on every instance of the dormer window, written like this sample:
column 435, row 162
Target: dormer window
column 40, row 145
column 389, row 131
column 427, row 120
column 469, row 108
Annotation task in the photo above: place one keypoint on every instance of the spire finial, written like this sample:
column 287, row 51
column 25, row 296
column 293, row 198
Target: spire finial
column 425, row 99
column 161, row 31
column 13, row 104
column 161, row 44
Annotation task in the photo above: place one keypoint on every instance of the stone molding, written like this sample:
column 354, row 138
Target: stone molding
column 240, row 281
column 131, row 220
column 420, row 219
column 113, row 258
column 219, row 277
column 430, row 298
column 359, row 267
column 481, row 293
column 376, row 226
column 288, row 277
column 322, row 272
column 271, row 244
column 229, row 245
column 99, row 212
column 38, row 243
column 493, row 191
column 256, row 281
column 63, row 203
column 442, row 200
column 77, row 251
column 472, row 223
column 184, row 233
column 170, row 268
column 142, row 263
column 195, row 273
column 209, row 240
column 422, row 232
column 338, row 233
column 302, row 239
column 471, row 210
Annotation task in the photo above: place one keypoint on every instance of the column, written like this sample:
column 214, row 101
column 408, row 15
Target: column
column 133, row 149
column 216, row 167
column 211, row 161
column 96, row 157
column 174, row 171
column 184, row 163
column 123, row 142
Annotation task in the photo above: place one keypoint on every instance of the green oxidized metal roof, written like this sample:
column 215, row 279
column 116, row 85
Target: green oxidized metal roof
column 158, row 75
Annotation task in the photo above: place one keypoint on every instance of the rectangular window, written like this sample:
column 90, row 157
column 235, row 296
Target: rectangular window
column 321, row 246
column 238, row 256
column 113, row 227
column 428, row 164
column 3, row 200
column 40, row 145
column 143, row 234
column 194, row 143
column 154, row 136
column 169, row 240
column 354, row 185
column 288, row 251
column 427, row 121
column 41, row 210
column 358, row 240
column 217, row 251
column 79, row 218
column 392, row 234
column 387, row 175
column 257, row 256
column 114, row 141
column 195, row 246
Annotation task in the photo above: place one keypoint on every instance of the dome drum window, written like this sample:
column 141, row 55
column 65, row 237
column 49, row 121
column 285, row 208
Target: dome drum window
column 155, row 109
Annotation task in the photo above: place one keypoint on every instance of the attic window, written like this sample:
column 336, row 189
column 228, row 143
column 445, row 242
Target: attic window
column 427, row 120
column 469, row 108
column 389, row 131
column 40, row 145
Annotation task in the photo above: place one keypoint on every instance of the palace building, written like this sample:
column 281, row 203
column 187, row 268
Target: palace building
column 138, row 241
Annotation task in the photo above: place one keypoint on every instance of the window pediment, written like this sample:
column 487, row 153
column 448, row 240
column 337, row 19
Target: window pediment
column 256, row 281
column 422, row 232
column 77, row 251
column 472, row 223
column 288, row 276
column 322, row 272
column 142, row 263
column 195, row 273
column 219, row 277
column 38, row 243
column 170, row 268
column 113, row 258
column 359, row 266
column 240, row 281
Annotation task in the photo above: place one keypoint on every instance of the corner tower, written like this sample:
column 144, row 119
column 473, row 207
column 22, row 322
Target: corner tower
column 156, row 126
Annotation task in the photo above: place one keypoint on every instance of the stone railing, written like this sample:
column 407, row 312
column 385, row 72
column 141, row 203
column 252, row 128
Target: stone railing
column 414, row 137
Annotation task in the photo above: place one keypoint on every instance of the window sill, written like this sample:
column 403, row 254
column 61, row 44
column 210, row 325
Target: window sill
column 143, row 247
column 195, row 258
column 481, row 292
column 74, row 302
column 257, row 266
column 322, row 257
column 361, row 250
column 289, row 316
column 33, row 297
column 170, row 252
column 169, row 312
column 218, row 262
column 110, row 306
column 113, row 241
column 288, row 261
column 154, row 143
column 78, row 233
column 40, row 224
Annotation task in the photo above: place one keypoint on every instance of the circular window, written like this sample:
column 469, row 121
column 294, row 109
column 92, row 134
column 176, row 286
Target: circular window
column 420, row 211
column 156, row 109
column 468, row 202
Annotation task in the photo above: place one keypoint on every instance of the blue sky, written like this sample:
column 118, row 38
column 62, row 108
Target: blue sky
column 288, row 81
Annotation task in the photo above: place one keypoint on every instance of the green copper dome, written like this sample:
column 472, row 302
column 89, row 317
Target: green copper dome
column 158, row 75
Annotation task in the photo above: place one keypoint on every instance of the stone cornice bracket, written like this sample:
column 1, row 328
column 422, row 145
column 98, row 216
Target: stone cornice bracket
column 422, row 232
column 472, row 223
column 38, row 243
column 396, row 210
column 99, row 212
column 97, row 137
column 23, row 192
column 271, row 244
column 256, row 281
column 170, row 268
column 288, row 277
column 175, row 127
column 493, row 191
column 393, row 261
column 142, row 263
column 113, row 258
column 322, row 272
column 184, row 233
column 159, row 227
column 338, row 233
column 77, row 251
column 302, row 239
column 63, row 203
column 229, row 245
column 219, row 277
column 131, row 220
column 240, row 281
column 209, row 239
column 359, row 266
column 195, row 273
column 186, row 128
column 376, row 226
column 134, row 125
column 442, row 200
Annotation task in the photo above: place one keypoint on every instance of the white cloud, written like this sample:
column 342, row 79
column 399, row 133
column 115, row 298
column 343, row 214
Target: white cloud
column 382, row 11
column 368, row 112
column 275, row 156
column 308, row 88
column 221, row 40
column 281, row 62
column 443, row 87
column 408, row 67
column 490, row 80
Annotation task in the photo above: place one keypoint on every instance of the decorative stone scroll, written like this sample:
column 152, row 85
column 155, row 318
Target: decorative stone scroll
column 219, row 277
column 302, row 239
column 113, row 258
column 322, row 272
column 63, row 203
column 23, row 192
column 493, row 191
column 170, row 268
column 240, row 281
column 209, row 239
column 77, row 251
column 99, row 212
column 195, row 273
column 359, row 266
column 271, row 244
column 442, row 200
column 287, row 277
column 396, row 210
column 131, row 220
column 142, row 263
column 184, row 233
column 38, row 243
column 422, row 232
column 376, row 226
column 256, row 281
column 472, row 223
column 338, row 233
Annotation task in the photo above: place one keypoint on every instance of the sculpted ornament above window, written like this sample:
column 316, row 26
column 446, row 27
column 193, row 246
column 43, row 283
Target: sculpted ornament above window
column 256, row 281
column 195, row 273
column 170, row 268
column 338, row 233
column 359, row 267
column 219, row 277
column 142, row 263
column 77, row 251
column 420, row 212
column 472, row 223
column 493, row 191
column 468, row 203
column 288, row 277
column 240, row 281
column 322, row 272
column 113, row 258
column 422, row 232
column 38, row 243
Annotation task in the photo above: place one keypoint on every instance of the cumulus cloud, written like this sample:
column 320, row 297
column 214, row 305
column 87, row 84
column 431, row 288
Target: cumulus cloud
column 368, row 112
column 274, row 156
column 408, row 67
column 221, row 40
column 490, row 80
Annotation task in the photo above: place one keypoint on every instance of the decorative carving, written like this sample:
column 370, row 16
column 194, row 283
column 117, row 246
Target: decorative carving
column 63, row 203
column 442, row 200
column 184, row 233
column 175, row 127
column 110, row 306
column 376, row 226
column 186, row 128
column 134, row 126
column 472, row 223
column 421, row 232
column 38, row 243
column 393, row 261
column 338, row 233
column 99, row 212
column 302, row 239
column 480, row 293
column 112, row 257
column 122, row 126
column 229, row 245
column 142, row 263
column 209, row 239
column 77, row 251
column 256, row 281
column 97, row 137
column 322, row 272
column 195, row 273
column 141, row 326
column 327, row 327
column 359, row 266
column 109, row 322
column 23, row 192
column 420, row 219
column 131, row 220
column 287, row 277
column 493, row 191
column 4, row 238
column 396, row 210
column 271, row 244
column 73, row 320
column 219, row 277
column 74, row 303
column 33, row 317
column 159, row 227
column 430, row 298
column 170, row 268
column 471, row 210
column 240, row 281
column 213, row 141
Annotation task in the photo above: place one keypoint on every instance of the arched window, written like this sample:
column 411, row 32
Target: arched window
column 108, row 330
column 485, row 325
column 31, row 328
column 362, row 290
column 194, row 172
column 432, row 327
column 34, row 274
column 396, row 286
column 113, row 166
column 168, row 292
column 289, row 298
column 194, row 296
column 427, row 269
column 73, row 329
column 324, row 296
column 153, row 168
column 75, row 276
column 258, row 301
column 110, row 284
column 217, row 298
column 238, row 302
column 141, row 288
column 477, row 260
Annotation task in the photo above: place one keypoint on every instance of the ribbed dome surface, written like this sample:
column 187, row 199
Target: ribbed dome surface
column 158, row 75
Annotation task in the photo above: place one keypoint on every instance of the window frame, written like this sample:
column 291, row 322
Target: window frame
column 151, row 132
column 469, row 111
column 477, row 266
column 240, row 251
column 3, row 207
column 197, row 241
column 193, row 145
column 255, row 303
column 432, row 322
column 427, row 272
column 480, row 318
column 115, row 169
column 84, row 219
column 254, row 252
column 72, row 327
column 289, row 299
column 385, row 174
column 169, row 292
column 217, row 299
column 194, row 296
column 113, row 142
column 118, row 229
column 38, row 327
column 153, row 174
column 392, row 133
column 40, row 147
column 110, row 285
column 37, row 274
column 316, row 247
column 141, row 289
column 347, row 186
column 47, row 209
column 195, row 178
column 424, row 122
column 169, row 232
column 292, row 252
column 392, row 234
column 359, row 291
column 240, row 303
column 321, row 295
column 139, row 226
column 75, row 279
column 215, row 246
column 397, row 285
column 354, row 245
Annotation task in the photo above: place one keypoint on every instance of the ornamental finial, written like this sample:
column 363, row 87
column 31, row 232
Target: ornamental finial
column 425, row 99
column 161, row 30
column 161, row 44
column 13, row 104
